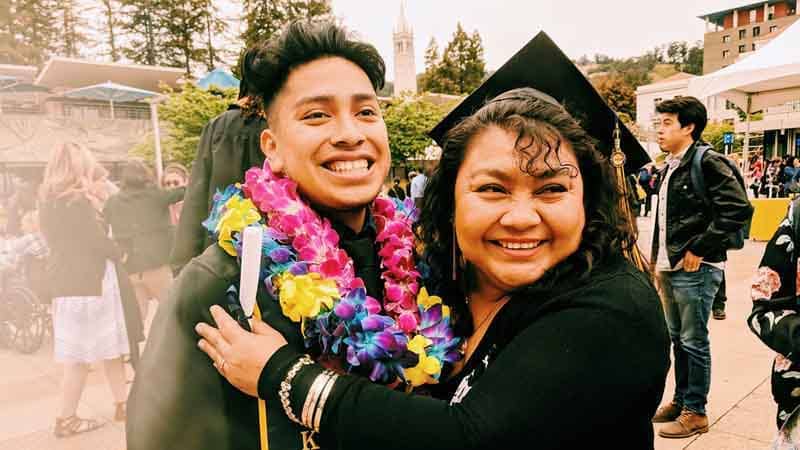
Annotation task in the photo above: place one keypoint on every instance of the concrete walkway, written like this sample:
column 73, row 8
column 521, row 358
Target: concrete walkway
column 740, row 406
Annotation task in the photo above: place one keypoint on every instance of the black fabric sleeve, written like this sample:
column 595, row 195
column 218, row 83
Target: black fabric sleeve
column 177, row 399
column 82, row 216
column 730, row 207
column 190, row 234
column 585, row 367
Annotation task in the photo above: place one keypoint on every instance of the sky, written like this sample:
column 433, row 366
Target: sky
column 618, row 28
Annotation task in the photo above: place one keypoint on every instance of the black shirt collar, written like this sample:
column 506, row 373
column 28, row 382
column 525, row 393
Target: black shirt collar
column 368, row 230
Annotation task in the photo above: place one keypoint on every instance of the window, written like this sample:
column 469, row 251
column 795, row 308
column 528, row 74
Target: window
column 726, row 38
column 728, row 105
column 773, row 28
column 770, row 12
column 754, row 46
column 756, row 31
column 726, row 53
column 742, row 34
column 753, row 13
column 742, row 48
column 657, row 100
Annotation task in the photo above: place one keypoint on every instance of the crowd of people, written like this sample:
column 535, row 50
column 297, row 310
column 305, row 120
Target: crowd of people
column 537, row 318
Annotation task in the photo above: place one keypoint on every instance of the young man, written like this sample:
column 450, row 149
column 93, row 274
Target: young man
column 689, row 251
column 397, row 191
column 330, row 138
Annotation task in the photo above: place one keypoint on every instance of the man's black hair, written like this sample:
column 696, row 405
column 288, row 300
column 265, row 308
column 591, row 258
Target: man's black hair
column 689, row 110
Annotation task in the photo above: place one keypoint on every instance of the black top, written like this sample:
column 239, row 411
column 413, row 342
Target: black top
column 79, row 246
column 139, row 220
column 229, row 145
column 583, row 366
column 178, row 399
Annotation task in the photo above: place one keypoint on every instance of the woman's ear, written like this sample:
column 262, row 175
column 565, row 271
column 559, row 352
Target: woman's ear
column 269, row 147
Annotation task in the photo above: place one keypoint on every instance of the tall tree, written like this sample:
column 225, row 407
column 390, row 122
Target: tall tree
column 619, row 95
column 264, row 18
column 71, row 27
column 111, row 25
column 462, row 67
column 429, row 80
column 186, row 22
column 214, row 26
column 142, row 22
column 694, row 59
column 28, row 33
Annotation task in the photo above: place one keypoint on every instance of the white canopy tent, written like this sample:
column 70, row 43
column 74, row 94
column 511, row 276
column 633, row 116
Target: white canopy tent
column 770, row 76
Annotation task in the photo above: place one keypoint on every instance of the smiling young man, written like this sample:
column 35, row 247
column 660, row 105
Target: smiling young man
column 690, row 240
column 325, row 132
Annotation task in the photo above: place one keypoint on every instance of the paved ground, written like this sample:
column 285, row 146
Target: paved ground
column 740, row 406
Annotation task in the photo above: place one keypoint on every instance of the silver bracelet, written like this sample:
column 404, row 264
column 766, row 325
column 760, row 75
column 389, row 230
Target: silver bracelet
column 286, row 387
column 326, row 391
column 312, row 397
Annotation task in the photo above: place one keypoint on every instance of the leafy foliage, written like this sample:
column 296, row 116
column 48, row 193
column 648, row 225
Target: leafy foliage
column 408, row 120
column 185, row 114
column 461, row 67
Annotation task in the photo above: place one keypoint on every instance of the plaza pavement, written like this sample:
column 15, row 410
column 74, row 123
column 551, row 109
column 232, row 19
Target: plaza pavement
column 740, row 407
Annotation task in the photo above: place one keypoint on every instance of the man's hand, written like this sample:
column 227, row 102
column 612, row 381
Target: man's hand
column 691, row 262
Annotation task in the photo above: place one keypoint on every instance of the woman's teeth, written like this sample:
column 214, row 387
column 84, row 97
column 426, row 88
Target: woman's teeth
column 520, row 245
column 348, row 166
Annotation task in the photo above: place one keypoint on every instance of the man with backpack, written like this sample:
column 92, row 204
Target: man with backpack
column 701, row 212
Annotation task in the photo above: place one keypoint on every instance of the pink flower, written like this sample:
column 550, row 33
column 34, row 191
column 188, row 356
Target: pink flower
column 766, row 283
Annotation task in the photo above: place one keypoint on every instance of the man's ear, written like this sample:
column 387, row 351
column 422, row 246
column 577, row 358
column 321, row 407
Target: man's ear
column 269, row 147
column 690, row 129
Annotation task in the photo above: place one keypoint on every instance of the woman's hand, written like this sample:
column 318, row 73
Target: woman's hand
column 239, row 355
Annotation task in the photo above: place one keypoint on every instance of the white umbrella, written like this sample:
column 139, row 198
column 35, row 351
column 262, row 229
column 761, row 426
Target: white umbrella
column 111, row 92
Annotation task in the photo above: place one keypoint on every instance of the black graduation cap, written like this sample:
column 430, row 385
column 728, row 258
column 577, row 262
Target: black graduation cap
column 543, row 66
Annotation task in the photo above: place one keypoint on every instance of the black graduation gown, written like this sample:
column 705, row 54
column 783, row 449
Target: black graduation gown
column 179, row 400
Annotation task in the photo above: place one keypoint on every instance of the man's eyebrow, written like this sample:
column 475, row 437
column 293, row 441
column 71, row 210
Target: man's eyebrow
column 326, row 98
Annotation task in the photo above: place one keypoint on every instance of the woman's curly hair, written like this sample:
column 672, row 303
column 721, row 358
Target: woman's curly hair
column 541, row 126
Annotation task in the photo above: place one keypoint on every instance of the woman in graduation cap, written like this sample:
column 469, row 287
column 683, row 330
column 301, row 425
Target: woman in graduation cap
column 565, row 340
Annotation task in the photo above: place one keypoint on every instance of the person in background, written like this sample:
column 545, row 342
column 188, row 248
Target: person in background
column 139, row 217
column 689, row 249
column 397, row 191
column 229, row 145
column 418, row 186
column 91, row 322
column 411, row 176
column 175, row 176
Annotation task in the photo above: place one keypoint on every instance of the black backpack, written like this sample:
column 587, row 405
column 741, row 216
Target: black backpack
column 736, row 238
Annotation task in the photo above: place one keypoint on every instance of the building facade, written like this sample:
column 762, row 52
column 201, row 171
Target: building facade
column 405, row 72
column 733, row 33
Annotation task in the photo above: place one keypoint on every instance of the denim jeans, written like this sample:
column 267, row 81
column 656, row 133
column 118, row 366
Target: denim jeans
column 687, row 298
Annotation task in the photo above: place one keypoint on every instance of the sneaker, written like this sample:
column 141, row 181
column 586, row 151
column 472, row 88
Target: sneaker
column 719, row 314
column 667, row 413
column 687, row 424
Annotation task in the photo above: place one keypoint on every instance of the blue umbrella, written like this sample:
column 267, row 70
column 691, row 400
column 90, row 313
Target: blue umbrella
column 111, row 92
column 219, row 77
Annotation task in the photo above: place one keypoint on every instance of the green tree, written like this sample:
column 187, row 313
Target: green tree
column 142, row 23
column 408, row 121
column 187, row 21
column 27, row 31
column 71, row 25
column 714, row 134
column 184, row 114
column 694, row 59
column 619, row 95
column 429, row 81
column 462, row 67
column 111, row 24
column 214, row 25
column 264, row 18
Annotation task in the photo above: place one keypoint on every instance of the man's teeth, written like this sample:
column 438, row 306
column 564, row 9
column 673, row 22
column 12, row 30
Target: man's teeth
column 520, row 245
column 347, row 166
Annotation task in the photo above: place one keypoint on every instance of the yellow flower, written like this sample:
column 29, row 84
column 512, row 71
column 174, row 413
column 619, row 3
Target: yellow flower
column 239, row 213
column 302, row 296
column 427, row 367
column 425, row 300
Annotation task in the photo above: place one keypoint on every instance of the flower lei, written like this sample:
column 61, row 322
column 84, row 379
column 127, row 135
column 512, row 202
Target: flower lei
column 407, row 337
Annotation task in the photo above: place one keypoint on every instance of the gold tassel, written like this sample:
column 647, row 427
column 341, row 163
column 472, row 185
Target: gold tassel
column 633, row 254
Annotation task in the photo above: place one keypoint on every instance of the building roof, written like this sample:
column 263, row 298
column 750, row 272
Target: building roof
column 718, row 16
column 23, row 73
column 68, row 73
column 678, row 76
column 402, row 23
column 676, row 81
